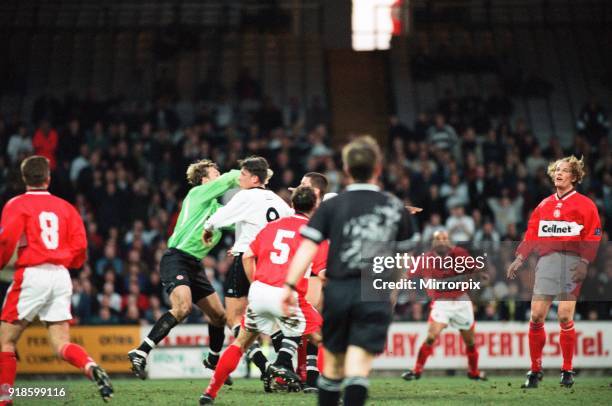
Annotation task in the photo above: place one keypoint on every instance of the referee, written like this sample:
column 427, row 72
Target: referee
column 354, row 331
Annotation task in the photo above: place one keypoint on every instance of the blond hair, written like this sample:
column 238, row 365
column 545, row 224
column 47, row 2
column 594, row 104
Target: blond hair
column 360, row 157
column 198, row 170
column 576, row 166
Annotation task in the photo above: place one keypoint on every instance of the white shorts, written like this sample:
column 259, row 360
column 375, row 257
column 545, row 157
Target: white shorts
column 43, row 290
column 458, row 313
column 264, row 312
column 553, row 275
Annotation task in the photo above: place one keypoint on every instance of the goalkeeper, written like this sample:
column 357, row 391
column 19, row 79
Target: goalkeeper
column 181, row 271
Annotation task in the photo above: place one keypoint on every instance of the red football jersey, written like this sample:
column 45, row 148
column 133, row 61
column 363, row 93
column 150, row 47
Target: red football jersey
column 432, row 266
column 47, row 228
column 570, row 223
column 274, row 248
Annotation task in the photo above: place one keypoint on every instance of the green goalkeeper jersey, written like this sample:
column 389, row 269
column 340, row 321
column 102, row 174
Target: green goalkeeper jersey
column 199, row 204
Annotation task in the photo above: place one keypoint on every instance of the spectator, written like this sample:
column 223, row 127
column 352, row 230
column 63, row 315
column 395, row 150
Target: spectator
column 83, row 300
column 19, row 145
column 593, row 121
column 506, row 211
column 70, row 141
column 459, row 226
column 45, row 142
column 80, row 162
column 535, row 161
column 434, row 224
column 105, row 317
column 455, row 192
column 114, row 300
column 155, row 310
column 441, row 135
column 135, row 297
column 109, row 260
column 487, row 239
column 132, row 316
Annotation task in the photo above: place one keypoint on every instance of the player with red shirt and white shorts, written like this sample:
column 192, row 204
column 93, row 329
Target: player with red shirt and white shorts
column 267, row 260
column 50, row 237
column 564, row 230
column 448, row 307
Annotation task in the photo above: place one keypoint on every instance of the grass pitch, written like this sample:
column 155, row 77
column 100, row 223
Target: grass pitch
column 383, row 391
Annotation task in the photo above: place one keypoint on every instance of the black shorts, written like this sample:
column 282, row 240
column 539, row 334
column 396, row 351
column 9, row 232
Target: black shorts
column 179, row 268
column 236, row 283
column 347, row 320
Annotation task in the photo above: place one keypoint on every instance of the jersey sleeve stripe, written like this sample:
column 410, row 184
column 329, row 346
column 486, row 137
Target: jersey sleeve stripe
column 312, row 234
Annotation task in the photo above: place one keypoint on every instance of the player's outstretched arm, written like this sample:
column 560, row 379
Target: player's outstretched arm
column 217, row 187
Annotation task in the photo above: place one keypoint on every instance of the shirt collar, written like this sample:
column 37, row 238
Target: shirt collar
column 363, row 186
column 37, row 192
column 566, row 195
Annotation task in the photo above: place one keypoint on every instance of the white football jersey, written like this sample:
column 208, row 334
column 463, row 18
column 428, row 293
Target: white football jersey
column 250, row 210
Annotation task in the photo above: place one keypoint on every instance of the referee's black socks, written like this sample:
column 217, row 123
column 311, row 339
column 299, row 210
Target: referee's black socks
column 159, row 331
column 355, row 390
column 329, row 391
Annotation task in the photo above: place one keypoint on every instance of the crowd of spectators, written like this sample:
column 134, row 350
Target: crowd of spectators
column 122, row 164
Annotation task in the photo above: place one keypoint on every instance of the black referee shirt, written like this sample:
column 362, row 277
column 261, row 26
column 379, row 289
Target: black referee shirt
column 354, row 221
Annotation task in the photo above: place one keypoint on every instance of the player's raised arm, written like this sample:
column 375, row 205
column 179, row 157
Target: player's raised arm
column 11, row 228
column 217, row 187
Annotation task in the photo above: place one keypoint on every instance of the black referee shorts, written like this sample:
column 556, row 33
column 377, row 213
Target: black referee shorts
column 347, row 320
column 179, row 268
column 236, row 283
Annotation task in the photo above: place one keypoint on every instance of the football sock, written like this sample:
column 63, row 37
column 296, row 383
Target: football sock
column 355, row 390
column 472, row 356
column 8, row 369
column 227, row 364
column 537, row 339
column 287, row 351
column 216, row 337
column 567, row 339
column 76, row 355
column 159, row 331
column 424, row 353
column 255, row 354
column 277, row 340
column 312, row 372
column 329, row 391
column 301, row 359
